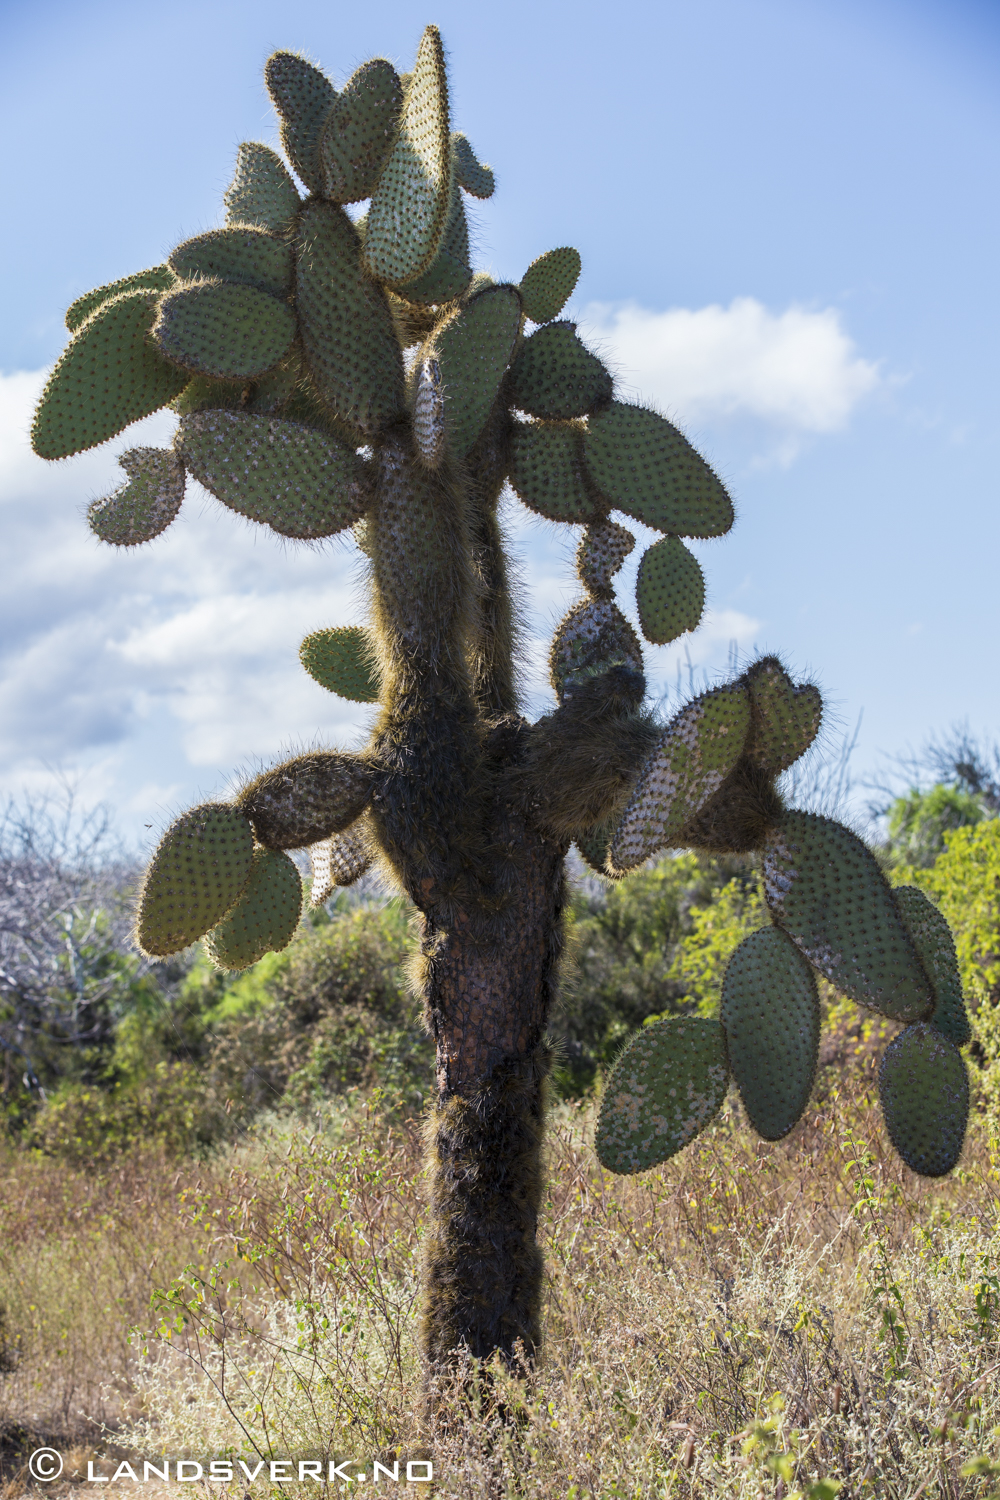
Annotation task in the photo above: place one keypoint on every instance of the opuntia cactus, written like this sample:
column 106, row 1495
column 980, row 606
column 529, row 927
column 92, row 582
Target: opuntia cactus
column 331, row 373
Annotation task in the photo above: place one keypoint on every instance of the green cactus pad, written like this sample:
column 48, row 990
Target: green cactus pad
column 470, row 173
column 603, row 548
column 303, row 97
column 592, row 638
column 305, row 800
column 339, row 861
column 238, row 253
column 786, row 718
column 546, row 471
column 449, row 273
column 556, row 376
column 359, row 132
column 348, row 336
column 223, row 329
column 548, row 283
column 157, row 279
column 341, row 661
column 146, row 505
column 648, row 469
column 261, row 193
column 276, row 389
column 931, row 936
column 409, row 207
column 472, row 348
column 284, row 475
column 198, row 872
column 770, row 1014
column 664, row 1089
column 699, row 748
column 265, row 917
column 670, row 591
column 824, row 887
column 924, row 1089
column 110, row 375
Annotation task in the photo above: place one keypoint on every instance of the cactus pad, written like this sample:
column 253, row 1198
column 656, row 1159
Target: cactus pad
column 786, row 718
column 348, row 336
column 546, row 471
column 824, row 887
column 264, row 918
column 341, row 661
column 237, row 253
column 473, row 348
column 664, row 1089
column 548, row 283
column 770, row 1014
column 449, row 273
column 648, row 469
column 470, row 172
column 282, row 474
column 110, row 375
column 594, row 637
column 261, row 193
column 924, row 1090
column 224, row 329
column 157, row 279
column 428, row 412
column 359, row 132
column 603, row 548
column 198, row 872
column 698, row 750
column 556, row 376
column 409, row 207
column 303, row 97
column 339, row 861
column 146, row 505
column 305, row 800
column 670, row 591
column 931, row 936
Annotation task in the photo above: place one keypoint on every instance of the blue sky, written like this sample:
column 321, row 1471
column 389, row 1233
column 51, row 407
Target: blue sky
column 788, row 217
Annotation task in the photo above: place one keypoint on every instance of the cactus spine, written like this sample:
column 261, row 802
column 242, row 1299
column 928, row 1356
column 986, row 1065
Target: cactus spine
column 333, row 373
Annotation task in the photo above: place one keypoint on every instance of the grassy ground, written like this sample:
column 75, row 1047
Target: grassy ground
column 750, row 1320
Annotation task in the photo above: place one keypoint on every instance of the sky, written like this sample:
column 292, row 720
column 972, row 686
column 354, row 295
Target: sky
column 789, row 223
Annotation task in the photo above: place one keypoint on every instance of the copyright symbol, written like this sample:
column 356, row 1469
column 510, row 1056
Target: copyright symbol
column 45, row 1464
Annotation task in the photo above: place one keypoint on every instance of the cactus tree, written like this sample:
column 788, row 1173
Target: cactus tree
column 332, row 371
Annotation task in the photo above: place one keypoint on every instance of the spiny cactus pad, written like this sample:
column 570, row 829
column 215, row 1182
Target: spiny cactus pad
column 339, row 861
column 664, row 1089
column 546, row 471
column 341, row 661
column 548, row 283
column 359, row 131
column 261, row 193
column 305, row 800
column 603, row 548
column 924, row 1090
column 348, row 336
column 786, row 718
column 282, row 474
column 557, row 377
column 110, row 375
column 648, row 469
column 264, row 918
column 237, row 253
column 409, row 207
column 699, row 748
column 770, row 1014
column 470, row 172
column 449, row 273
column 224, row 329
column 198, row 872
column 146, row 505
column 303, row 97
column 670, row 591
column 824, row 887
column 473, row 348
column 592, row 638
column 931, row 936
column 156, row 279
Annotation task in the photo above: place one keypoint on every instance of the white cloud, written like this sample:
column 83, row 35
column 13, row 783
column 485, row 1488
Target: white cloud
column 796, row 370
